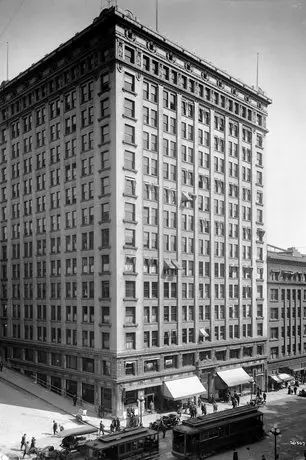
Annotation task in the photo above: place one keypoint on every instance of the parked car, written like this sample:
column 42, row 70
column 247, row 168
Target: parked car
column 169, row 421
column 302, row 393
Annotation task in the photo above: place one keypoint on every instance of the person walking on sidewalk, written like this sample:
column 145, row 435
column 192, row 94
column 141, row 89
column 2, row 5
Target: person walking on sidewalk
column 101, row 430
column 1, row 366
column 23, row 441
column 74, row 399
column 26, row 450
column 203, row 408
column 264, row 395
column 295, row 389
column 54, row 427
column 163, row 428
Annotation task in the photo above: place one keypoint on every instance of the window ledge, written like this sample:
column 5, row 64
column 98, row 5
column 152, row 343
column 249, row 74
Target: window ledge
column 129, row 91
column 130, row 273
column 104, row 117
column 127, row 117
column 105, row 195
column 130, row 325
column 103, row 273
column 130, row 221
column 134, row 248
column 130, row 299
column 129, row 169
column 132, row 144
column 129, row 196
column 104, row 169
column 104, row 143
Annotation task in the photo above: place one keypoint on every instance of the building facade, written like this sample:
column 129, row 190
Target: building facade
column 287, row 310
column 132, row 217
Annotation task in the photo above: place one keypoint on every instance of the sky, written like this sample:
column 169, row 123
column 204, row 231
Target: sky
column 228, row 33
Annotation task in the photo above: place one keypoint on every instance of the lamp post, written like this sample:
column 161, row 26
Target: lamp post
column 276, row 432
column 141, row 401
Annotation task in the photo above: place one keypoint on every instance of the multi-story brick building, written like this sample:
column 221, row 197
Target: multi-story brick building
column 286, row 311
column 132, row 218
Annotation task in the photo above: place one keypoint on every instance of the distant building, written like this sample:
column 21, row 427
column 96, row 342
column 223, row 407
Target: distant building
column 287, row 310
column 132, row 220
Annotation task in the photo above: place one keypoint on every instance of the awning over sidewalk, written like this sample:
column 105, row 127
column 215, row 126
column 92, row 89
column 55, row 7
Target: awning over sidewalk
column 299, row 369
column 275, row 378
column 233, row 377
column 183, row 388
column 285, row 377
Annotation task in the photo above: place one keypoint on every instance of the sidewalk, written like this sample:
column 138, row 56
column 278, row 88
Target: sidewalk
column 65, row 405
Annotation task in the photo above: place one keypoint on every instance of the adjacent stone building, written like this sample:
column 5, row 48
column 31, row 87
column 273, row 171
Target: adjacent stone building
column 287, row 310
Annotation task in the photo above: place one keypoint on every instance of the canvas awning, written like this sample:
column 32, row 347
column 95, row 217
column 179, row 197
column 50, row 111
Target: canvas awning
column 167, row 264
column 204, row 333
column 183, row 388
column 233, row 377
column 285, row 377
column 299, row 369
column 176, row 265
column 275, row 378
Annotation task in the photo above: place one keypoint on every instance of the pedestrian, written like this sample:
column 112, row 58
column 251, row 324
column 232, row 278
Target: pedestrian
column 295, row 389
column 163, row 428
column 289, row 390
column 117, row 424
column 215, row 406
column 23, row 441
column 1, row 366
column 151, row 406
column 112, row 426
column 237, row 397
column 74, row 399
column 61, row 427
column 101, row 431
column 203, row 408
column 54, row 427
column 26, row 450
column 264, row 395
column 233, row 399
column 33, row 442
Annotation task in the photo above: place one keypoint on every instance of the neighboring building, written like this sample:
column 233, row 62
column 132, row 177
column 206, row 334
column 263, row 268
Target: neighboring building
column 287, row 310
column 132, row 218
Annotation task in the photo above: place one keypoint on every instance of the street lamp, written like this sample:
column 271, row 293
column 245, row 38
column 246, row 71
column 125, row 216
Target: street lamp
column 141, row 401
column 276, row 432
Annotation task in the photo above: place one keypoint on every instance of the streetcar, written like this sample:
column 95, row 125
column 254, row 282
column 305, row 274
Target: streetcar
column 201, row 437
column 131, row 443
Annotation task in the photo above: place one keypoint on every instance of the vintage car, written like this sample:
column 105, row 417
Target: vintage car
column 81, row 416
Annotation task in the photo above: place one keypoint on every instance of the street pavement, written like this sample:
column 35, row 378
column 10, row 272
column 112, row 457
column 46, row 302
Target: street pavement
column 26, row 407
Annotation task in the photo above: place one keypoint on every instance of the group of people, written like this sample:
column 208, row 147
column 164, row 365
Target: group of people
column 132, row 418
column 115, row 425
column 291, row 391
column 26, row 446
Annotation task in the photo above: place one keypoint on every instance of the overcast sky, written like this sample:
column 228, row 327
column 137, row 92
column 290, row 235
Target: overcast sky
column 228, row 33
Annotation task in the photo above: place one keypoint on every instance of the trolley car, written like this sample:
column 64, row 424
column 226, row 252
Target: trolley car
column 131, row 443
column 203, row 436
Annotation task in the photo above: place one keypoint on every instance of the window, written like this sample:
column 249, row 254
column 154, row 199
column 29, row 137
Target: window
column 130, row 289
column 129, row 134
column 130, row 341
column 129, row 212
column 129, row 108
column 129, row 160
column 129, row 237
column 129, row 82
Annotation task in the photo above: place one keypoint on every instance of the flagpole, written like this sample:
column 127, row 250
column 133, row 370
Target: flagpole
column 156, row 10
column 257, row 65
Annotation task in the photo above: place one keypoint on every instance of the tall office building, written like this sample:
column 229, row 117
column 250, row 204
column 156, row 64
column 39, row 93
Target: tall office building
column 286, row 312
column 132, row 220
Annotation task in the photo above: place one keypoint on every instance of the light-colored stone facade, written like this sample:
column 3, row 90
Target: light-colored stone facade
column 147, row 208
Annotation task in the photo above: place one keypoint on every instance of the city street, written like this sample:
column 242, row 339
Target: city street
column 22, row 413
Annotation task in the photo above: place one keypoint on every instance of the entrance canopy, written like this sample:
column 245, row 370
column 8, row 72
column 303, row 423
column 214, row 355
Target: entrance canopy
column 183, row 388
column 275, row 378
column 285, row 377
column 233, row 377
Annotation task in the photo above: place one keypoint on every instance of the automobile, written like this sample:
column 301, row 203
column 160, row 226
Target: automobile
column 169, row 421
column 75, row 438
column 302, row 393
column 49, row 452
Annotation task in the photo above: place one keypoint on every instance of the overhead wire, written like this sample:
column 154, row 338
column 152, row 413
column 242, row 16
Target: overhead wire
column 11, row 18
